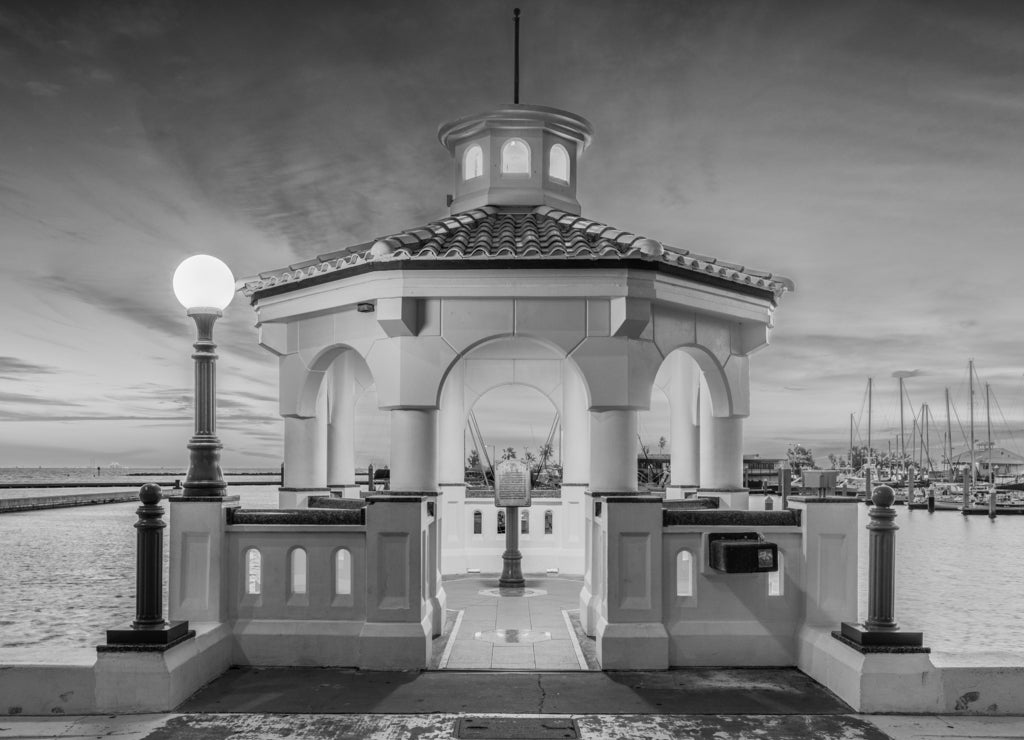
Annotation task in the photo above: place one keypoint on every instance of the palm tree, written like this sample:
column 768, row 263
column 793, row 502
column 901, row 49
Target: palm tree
column 509, row 453
column 662, row 442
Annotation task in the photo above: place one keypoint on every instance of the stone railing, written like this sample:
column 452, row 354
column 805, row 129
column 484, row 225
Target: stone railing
column 652, row 599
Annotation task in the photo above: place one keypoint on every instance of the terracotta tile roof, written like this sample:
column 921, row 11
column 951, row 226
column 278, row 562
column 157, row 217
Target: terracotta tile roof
column 490, row 233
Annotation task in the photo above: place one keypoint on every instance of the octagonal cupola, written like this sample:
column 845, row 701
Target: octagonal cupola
column 517, row 156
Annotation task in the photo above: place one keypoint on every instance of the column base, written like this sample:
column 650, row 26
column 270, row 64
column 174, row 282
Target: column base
column 157, row 635
column 344, row 490
column 296, row 498
column 588, row 611
column 733, row 498
column 394, row 646
column 678, row 492
column 632, row 646
column 864, row 637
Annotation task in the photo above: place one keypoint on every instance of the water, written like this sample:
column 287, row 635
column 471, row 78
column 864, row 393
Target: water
column 67, row 575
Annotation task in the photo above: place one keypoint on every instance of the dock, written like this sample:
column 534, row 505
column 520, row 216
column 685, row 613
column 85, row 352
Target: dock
column 68, row 499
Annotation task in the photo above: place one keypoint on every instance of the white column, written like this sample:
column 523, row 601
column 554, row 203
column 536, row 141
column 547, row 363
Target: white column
column 575, row 453
column 341, row 428
column 451, row 428
column 451, row 465
column 414, row 450
column 684, row 435
column 305, row 458
column 575, row 429
column 721, row 457
column 613, row 446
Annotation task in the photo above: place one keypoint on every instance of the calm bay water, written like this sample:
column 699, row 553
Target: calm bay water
column 66, row 575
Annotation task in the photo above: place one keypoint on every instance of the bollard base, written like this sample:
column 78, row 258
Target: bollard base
column 861, row 635
column 159, row 634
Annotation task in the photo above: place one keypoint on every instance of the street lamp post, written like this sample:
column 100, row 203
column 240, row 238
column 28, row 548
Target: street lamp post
column 204, row 286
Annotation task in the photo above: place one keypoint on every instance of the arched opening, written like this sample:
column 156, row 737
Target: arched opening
column 515, row 157
column 473, row 162
column 684, row 573
column 558, row 164
column 342, row 572
column 654, row 454
column 297, row 572
column 253, row 572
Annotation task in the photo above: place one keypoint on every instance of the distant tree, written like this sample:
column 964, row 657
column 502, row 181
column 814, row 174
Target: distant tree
column 800, row 458
column 528, row 457
column 662, row 444
column 833, row 461
column 473, row 461
column 509, row 453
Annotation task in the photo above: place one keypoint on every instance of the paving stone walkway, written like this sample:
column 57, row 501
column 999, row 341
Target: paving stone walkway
column 513, row 629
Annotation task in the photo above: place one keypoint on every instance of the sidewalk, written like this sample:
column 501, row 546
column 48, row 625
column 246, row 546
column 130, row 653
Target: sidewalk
column 445, row 726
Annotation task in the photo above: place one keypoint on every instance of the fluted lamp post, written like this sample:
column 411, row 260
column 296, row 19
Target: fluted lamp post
column 204, row 286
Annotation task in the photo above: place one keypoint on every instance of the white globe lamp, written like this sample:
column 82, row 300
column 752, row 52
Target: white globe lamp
column 203, row 282
column 204, row 286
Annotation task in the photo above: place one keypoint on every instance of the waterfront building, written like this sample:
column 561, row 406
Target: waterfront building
column 515, row 286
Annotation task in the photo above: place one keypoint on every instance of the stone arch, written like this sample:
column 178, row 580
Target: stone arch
column 727, row 399
column 301, row 381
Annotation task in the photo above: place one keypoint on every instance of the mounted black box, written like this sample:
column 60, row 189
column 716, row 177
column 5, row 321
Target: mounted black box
column 742, row 552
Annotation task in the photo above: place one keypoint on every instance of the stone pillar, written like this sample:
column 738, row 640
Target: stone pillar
column 830, row 559
column 721, row 457
column 305, row 458
column 684, row 434
column 341, row 429
column 451, row 463
column 631, row 633
column 613, row 447
column 414, row 450
column 575, row 450
column 414, row 470
column 575, row 429
column 196, row 586
column 396, row 635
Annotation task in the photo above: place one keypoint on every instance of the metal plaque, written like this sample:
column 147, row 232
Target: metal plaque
column 512, row 483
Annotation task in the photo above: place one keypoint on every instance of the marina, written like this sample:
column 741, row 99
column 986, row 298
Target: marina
column 89, row 547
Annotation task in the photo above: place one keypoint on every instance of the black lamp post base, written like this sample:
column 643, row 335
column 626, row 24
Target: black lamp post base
column 158, row 634
column 861, row 635
column 512, row 571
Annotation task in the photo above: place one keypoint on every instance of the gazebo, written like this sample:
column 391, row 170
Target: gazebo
column 515, row 286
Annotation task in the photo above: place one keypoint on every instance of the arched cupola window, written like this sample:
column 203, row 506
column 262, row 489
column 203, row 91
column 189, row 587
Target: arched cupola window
column 473, row 162
column 558, row 164
column 515, row 157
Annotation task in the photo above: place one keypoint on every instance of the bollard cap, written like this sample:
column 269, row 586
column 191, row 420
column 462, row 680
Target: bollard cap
column 150, row 494
column 883, row 496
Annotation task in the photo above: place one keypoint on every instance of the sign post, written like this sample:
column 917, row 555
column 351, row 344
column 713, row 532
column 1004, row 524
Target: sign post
column 512, row 490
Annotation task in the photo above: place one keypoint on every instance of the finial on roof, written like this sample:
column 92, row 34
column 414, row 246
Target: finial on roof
column 515, row 95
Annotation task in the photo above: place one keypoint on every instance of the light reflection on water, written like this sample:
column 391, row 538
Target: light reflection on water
column 66, row 575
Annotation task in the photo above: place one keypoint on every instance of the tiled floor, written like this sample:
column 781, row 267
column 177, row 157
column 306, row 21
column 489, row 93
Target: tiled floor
column 506, row 629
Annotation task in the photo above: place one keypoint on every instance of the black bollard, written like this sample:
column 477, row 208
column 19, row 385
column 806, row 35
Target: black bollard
column 149, row 626
column 931, row 500
column 881, row 629
column 149, row 586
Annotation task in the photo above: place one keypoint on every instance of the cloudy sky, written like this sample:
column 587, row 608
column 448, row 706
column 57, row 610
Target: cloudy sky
column 871, row 151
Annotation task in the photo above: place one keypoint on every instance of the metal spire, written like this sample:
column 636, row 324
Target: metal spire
column 515, row 96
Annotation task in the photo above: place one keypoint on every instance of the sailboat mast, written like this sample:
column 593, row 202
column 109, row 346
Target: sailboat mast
column 867, row 472
column 851, row 442
column 903, row 440
column 988, row 423
column 970, row 377
column 949, row 438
